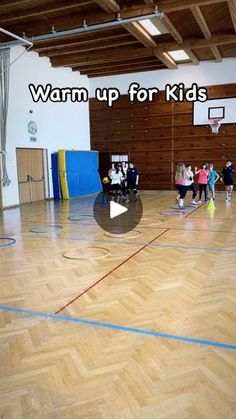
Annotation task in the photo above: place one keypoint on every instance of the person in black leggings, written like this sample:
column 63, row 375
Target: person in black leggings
column 191, row 186
column 203, row 174
column 227, row 176
column 181, row 183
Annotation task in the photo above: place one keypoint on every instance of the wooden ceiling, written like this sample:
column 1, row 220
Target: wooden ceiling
column 205, row 30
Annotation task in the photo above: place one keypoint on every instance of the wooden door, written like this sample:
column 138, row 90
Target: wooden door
column 36, row 172
column 23, row 174
column 30, row 167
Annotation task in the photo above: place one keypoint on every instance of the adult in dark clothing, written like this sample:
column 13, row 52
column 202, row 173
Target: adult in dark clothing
column 227, row 176
column 132, row 176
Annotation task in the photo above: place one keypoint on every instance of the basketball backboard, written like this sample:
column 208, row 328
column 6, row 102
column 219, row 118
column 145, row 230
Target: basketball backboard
column 224, row 109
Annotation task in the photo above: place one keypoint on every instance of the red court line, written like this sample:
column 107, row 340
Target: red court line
column 110, row 272
column 195, row 209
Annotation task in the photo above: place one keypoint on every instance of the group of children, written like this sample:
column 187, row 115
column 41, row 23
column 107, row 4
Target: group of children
column 207, row 178
column 123, row 180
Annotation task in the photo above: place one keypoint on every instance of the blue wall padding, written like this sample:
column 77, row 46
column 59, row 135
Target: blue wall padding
column 82, row 173
column 55, row 176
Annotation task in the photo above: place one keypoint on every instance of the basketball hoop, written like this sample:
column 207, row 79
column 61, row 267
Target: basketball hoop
column 215, row 124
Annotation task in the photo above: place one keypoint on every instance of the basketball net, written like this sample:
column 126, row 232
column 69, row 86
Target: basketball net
column 215, row 124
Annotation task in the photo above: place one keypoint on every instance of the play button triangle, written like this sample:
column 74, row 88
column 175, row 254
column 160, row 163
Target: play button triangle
column 116, row 209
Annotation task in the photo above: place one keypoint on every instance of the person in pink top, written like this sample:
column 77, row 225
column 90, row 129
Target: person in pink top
column 181, row 183
column 203, row 174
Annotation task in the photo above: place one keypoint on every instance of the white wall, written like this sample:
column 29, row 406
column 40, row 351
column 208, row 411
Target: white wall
column 205, row 74
column 66, row 125
column 60, row 125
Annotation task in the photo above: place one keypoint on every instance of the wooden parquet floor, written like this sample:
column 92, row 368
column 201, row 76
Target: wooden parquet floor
column 182, row 284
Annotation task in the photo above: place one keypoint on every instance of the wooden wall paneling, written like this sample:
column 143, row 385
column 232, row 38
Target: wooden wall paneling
column 134, row 122
column 155, row 167
column 154, row 108
column 220, row 141
column 159, row 134
column 182, row 107
column 199, row 131
column 204, row 154
column 110, row 134
column 152, row 156
column 184, row 119
column 139, row 145
column 156, row 177
column 162, row 186
column 224, row 90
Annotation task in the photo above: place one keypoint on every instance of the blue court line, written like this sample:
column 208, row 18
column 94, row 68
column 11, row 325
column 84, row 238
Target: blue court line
column 208, row 249
column 166, row 245
column 119, row 327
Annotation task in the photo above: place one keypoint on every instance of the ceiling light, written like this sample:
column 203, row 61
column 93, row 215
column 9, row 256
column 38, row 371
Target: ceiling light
column 150, row 27
column 179, row 55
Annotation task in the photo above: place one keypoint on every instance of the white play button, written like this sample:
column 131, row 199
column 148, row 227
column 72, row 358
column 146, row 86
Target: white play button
column 116, row 209
column 114, row 218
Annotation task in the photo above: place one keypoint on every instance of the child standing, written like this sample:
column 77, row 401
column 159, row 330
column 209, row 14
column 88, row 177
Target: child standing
column 202, row 181
column 191, row 186
column 132, row 181
column 181, row 182
column 124, row 167
column 227, row 176
column 124, row 181
column 116, row 177
column 212, row 179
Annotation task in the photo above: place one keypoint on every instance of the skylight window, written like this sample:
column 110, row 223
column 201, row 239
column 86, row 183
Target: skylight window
column 179, row 55
column 150, row 27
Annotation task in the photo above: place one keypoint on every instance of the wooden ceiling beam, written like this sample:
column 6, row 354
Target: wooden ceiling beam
column 168, row 6
column 68, row 46
column 197, row 13
column 107, row 66
column 114, row 69
column 80, row 39
column 165, row 58
column 126, row 52
column 232, row 9
column 192, row 56
column 177, row 36
column 138, row 70
column 11, row 3
column 164, row 5
column 141, row 34
column 172, row 29
column 215, row 51
column 74, row 20
column 108, row 55
column 109, row 5
column 201, row 21
column 196, row 43
column 134, row 28
column 43, row 10
column 94, row 47
column 41, row 27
